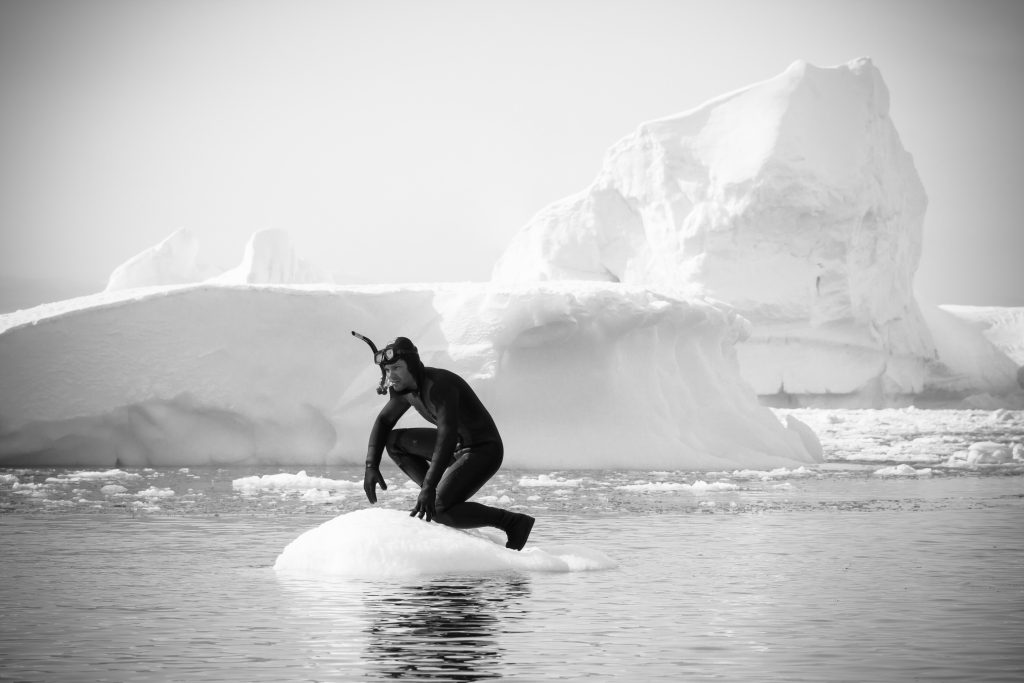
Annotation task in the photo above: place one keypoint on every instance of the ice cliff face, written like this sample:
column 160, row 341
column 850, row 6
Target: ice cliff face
column 577, row 375
column 792, row 200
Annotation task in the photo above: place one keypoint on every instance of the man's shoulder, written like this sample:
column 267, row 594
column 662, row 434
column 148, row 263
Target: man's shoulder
column 446, row 378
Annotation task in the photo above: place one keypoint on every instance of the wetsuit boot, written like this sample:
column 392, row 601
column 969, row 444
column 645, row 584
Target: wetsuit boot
column 518, row 527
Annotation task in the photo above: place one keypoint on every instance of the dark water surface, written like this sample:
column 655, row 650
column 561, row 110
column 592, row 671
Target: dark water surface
column 825, row 574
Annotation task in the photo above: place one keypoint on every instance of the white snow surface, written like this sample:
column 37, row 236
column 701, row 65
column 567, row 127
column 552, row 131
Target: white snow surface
column 378, row 543
column 577, row 375
column 793, row 200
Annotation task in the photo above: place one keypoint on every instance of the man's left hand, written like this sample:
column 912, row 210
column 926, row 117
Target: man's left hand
column 425, row 504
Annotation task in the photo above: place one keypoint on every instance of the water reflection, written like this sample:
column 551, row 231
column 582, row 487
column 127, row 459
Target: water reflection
column 443, row 629
column 428, row 629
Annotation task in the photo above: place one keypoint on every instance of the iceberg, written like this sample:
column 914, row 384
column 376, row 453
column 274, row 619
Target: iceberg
column 792, row 200
column 577, row 375
column 270, row 258
column 173, row 261
column 980, row 355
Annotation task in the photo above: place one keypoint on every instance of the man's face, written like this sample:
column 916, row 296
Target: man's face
column 398, row 376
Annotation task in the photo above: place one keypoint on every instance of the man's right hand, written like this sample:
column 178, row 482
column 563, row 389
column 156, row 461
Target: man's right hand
column 370, row 481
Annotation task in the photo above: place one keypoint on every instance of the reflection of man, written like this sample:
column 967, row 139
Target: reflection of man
column 445, row 629
column 449, row 463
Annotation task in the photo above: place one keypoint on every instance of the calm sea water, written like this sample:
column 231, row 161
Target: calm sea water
column 835, row 574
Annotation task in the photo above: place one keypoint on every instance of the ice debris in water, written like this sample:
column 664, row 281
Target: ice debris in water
column 903, row 471
column 285, row 482
column 699, row 486
column 549, row 480
column 987, row 453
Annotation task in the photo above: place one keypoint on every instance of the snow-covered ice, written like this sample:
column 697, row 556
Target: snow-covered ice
column 795, row 201
column 762, row 243
column 379, row 543
column 577, row 375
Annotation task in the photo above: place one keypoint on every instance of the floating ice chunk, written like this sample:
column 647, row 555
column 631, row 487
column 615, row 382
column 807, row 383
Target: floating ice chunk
column 154, row 493
column 291, row 482
column 321, row 496
column 986, row 453
column 903, row 471
column 548, row 480
column 655, row 486
column 698, row 486
column 778, row 473
column 113, row 490
column 91, row 475
column 379, row 543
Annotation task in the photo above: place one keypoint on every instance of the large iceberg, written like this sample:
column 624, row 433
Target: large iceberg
column 577, row 375
column 173, row 261
column 794, row 201
column 269, row 258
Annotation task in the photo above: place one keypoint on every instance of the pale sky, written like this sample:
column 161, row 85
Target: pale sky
column 408, row 141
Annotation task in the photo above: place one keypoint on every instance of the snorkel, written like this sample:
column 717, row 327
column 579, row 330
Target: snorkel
column 400, row 348
column 373, row 347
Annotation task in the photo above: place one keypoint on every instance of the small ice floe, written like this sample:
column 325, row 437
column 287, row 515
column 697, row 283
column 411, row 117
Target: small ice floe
column 113, row 490
column 91, row 475
column 699, row 486
column 1003, row 415
column 657, row 486
column 494, row 500
column 377, row 543
column 154, row 493
column 903, row 471
column 286, row 482
column 548, row 480
column 778, row 473
column 987, row 453
column 321, row 496
column 30, row 489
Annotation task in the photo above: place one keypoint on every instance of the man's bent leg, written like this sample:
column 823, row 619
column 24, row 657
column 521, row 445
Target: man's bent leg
column 411, row 450
column 464, row 479
column 517, row 526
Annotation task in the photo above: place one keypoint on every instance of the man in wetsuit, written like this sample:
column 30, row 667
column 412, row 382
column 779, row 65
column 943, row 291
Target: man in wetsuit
column 450, row 463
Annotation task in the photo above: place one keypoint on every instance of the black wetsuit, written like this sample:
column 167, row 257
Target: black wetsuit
column 466, row 445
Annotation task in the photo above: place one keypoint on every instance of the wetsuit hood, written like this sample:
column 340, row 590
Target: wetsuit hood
column 401, row 348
